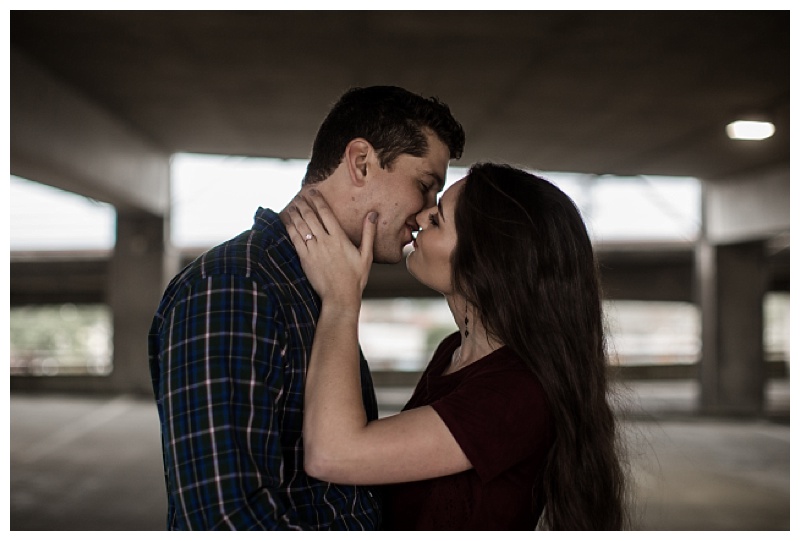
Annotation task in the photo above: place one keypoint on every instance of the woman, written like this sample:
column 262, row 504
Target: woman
column 510, row 421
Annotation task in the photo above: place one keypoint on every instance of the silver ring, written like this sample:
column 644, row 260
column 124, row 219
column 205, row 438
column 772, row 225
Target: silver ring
column 309, row 236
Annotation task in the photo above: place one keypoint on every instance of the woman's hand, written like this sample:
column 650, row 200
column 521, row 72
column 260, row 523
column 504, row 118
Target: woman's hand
column 337, row 270
column 340, row 444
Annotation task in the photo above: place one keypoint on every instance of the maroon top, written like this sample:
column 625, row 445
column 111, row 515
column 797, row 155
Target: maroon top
column 497, row 411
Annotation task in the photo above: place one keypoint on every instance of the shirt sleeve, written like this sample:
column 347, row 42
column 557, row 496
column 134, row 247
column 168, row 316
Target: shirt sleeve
column 221, row 382
column 498, row 418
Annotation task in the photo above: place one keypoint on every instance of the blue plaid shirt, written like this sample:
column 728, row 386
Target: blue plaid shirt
column 229, row 346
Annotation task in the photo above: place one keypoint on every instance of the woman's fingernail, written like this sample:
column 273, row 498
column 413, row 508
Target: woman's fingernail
column 372, row 216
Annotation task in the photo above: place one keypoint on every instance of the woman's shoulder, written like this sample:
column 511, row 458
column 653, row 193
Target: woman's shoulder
column 505, row 369
column 502, row 360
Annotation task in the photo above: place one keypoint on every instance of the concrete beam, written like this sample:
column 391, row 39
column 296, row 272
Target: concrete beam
column 61, row 138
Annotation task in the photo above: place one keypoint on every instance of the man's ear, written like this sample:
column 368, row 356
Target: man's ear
column 357, row 155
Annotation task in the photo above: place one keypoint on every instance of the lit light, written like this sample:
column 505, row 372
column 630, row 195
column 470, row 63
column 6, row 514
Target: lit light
column 752, row 130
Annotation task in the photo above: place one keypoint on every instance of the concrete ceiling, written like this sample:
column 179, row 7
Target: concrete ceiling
column 596, row 92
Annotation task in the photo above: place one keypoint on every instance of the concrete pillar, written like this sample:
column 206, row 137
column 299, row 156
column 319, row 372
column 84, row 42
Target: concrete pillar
column 732, row 283
column 142, row 263
column 740, row 214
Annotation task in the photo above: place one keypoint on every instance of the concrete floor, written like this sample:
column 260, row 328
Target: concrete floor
column 90, row 463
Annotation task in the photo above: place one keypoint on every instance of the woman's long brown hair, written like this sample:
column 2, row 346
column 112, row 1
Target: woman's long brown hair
column 525, row 261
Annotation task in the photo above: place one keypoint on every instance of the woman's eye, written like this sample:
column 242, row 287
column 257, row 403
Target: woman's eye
column 432, row 219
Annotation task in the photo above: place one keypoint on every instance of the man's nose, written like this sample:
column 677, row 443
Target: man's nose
column 430, row 199
column 421, row 218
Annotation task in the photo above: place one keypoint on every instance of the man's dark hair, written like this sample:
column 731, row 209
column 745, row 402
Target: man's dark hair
column 392, row 119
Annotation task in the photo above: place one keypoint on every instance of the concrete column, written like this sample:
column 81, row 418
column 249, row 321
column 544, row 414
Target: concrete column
column 142, row 263
column 740, row 215
column 732, row 283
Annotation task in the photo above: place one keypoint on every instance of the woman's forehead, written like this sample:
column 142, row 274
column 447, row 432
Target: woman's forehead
column 449, row 195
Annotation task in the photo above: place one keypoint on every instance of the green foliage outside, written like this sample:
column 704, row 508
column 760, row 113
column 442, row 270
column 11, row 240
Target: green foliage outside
column 63, row 339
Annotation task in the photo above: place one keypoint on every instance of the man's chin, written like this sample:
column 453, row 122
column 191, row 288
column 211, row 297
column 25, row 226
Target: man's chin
column 387, row 259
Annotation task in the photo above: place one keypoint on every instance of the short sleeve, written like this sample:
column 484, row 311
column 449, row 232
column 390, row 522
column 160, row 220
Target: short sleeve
column 499, row 418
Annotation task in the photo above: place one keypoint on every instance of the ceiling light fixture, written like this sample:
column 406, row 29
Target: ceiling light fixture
column 750, row 130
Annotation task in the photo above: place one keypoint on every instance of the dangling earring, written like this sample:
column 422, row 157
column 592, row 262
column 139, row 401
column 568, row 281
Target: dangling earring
column 466, row 326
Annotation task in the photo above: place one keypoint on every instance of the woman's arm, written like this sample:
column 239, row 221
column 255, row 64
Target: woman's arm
column 340, row 445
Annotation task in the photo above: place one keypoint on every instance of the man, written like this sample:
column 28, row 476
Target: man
column 230, row 341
